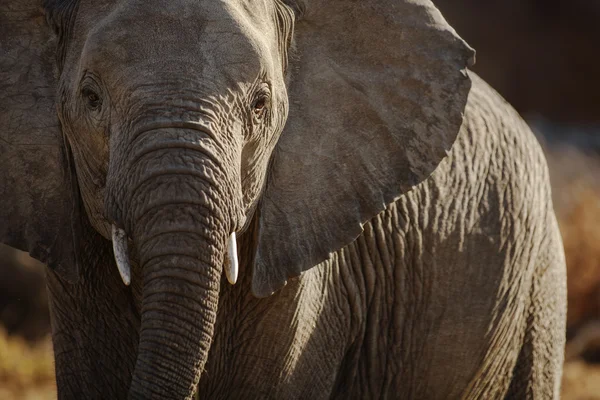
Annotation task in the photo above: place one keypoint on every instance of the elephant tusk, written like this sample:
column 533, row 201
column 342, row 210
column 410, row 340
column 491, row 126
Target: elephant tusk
column 231, row 266
column 119, row 242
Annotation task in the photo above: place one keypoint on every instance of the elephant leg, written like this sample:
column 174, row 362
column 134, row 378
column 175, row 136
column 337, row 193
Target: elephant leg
column 537, row 374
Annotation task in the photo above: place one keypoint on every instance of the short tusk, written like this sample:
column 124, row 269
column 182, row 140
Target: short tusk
column 232, row 266
column 119, row 242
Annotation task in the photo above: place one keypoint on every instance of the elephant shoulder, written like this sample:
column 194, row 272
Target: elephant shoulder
column 496, row 149
column 492, row 124
column 495, row 179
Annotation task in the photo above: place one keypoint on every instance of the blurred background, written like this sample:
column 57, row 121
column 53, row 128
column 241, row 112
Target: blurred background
column 543, row 56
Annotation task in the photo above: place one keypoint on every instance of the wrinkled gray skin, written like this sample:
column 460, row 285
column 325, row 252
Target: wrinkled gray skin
column 341, row 135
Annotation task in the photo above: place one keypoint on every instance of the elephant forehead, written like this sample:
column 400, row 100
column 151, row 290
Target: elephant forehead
column 176, row 37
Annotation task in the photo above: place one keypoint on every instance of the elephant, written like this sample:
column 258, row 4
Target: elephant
column 283, row 199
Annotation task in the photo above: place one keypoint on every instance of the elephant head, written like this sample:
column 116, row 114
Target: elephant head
column 172, row 125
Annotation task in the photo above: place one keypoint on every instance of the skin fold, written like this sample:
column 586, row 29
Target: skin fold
column 396, row 237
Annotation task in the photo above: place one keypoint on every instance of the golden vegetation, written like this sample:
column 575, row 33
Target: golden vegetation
column 575, row 179
column 26, row 370
column 580, row 229
column 581, row 381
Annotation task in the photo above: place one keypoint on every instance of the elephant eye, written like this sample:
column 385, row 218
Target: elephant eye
column 92, row 99
column 260, row 106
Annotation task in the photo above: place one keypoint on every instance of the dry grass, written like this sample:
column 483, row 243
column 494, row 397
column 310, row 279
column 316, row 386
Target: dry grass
column 580, row 229
column 26, row 370
column 575, row 179
column 581, row 381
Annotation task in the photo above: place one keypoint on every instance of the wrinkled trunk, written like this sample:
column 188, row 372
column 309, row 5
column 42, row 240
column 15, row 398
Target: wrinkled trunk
column 179, row 307
column 178, row 221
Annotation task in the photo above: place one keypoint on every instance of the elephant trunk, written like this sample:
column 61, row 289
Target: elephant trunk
column 180, row 220
column 179, row 307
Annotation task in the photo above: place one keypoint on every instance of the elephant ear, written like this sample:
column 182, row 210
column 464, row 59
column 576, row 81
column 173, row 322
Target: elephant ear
column 36, row 192
column 376, row 102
